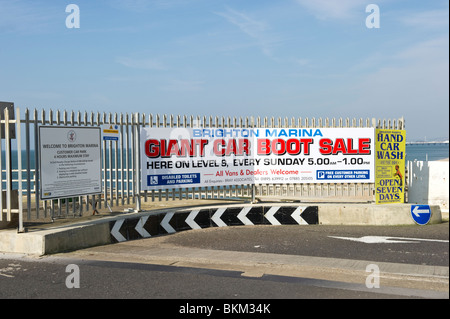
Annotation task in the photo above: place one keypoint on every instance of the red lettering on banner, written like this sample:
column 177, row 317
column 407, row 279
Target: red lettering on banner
column 263, row 146
column 339, row 146
column 163, row 148
column 327, row 146
column 223, row 148
column 152, row 148
column 364, row 146
column 279, row 146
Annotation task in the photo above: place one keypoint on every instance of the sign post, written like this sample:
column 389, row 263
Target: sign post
column 12, row 128
column 10, row 196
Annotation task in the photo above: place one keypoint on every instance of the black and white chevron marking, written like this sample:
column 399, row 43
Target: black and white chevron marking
column 172, row 222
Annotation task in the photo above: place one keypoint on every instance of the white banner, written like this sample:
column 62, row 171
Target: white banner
column 199, row 157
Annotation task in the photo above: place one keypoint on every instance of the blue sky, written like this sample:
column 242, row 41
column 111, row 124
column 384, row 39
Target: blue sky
column 286, row 58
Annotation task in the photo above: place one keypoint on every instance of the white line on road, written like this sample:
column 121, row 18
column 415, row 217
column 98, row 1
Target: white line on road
column 387, row 239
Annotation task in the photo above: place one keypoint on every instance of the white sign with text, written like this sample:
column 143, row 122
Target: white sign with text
column 70, row 161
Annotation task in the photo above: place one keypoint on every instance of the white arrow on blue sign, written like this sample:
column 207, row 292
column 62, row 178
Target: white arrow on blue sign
column 421, row 214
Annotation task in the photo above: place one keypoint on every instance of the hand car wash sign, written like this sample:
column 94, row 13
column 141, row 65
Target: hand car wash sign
column 390, row 166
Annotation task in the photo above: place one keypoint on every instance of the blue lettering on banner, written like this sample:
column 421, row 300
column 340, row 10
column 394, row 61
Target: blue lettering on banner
column 173, row 179
column 343, row 174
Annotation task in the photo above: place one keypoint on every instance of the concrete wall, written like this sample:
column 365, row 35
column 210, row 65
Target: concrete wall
column 428, row 183
column 371, row 214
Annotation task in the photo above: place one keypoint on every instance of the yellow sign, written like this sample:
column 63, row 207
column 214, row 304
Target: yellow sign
column 390, row 153
column 110, row 132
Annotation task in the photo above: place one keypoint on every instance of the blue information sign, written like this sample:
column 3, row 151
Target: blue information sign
column 421, row 214
column 173, row 179
column 359, row 174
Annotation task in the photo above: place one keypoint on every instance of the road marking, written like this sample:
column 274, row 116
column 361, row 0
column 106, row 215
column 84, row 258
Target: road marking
column 387, row 239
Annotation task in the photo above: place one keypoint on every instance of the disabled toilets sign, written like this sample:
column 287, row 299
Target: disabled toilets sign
column 203, row 157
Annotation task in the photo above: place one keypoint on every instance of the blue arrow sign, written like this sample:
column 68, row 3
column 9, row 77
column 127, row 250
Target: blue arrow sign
column 421, row 214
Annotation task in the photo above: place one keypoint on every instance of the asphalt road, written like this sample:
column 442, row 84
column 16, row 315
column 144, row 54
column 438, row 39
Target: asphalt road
column 320, row 241
column 123, row 280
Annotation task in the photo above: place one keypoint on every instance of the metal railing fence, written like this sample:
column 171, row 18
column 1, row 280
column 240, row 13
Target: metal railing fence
column 120, row 163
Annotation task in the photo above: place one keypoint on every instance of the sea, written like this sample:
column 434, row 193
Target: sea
column 414, row 151
column 427, row 151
